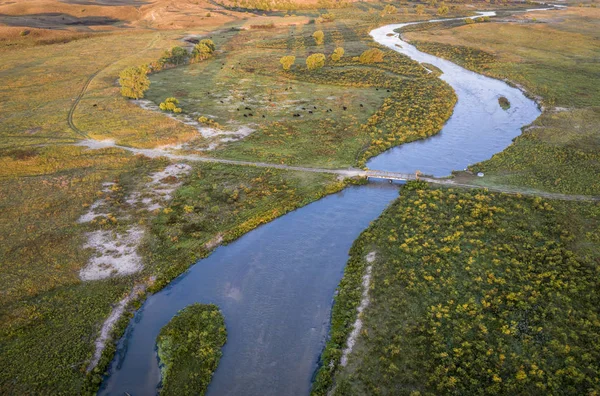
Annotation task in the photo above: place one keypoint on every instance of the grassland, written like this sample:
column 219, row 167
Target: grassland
column 471, row 292
column 50, row 318
column 301, row 116
column 189, row 349
column 553, row 56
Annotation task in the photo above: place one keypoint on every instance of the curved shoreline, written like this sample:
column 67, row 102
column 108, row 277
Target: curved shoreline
column 170, row 289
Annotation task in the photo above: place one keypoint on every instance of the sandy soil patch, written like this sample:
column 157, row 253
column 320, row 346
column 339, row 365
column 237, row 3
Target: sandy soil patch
column 161, row 187
column 95, row 209
column 364, row 303
column 108, row 325
column 115, row 253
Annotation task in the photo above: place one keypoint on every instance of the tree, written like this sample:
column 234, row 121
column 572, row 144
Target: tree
column 134, row 82
column 204, row 49
column 170, row 104
column 389, row 9
column 420, row 9
column 443, row 9
column 287, row 61
column 177, row 56
column 319, row 36
column 315, row 61
column 337, row 54
column 373, row 55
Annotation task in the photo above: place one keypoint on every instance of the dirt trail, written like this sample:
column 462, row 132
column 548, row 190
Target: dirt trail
column 350, row 172
column 87, row 85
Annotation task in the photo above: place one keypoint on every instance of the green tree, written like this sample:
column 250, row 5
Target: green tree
column 287, row 61
column 176, row 56
column 337, row 54
column 319, row 36
column 315, row 61
column 134, row 81
column 373, row 55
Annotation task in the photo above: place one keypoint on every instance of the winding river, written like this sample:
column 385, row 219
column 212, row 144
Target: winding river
column 275, row 284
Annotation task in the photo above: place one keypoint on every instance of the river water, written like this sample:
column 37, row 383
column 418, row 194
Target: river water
column 275, row 285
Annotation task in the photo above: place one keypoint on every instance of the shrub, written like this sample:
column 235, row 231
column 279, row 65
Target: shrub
column 287, row 61
column 469, row 21
column 373, row 55
column 170, row 104
column 209, row 122
column 420, row 9
column 323, row 18
column 337, row 54
column 504, row 103
column 189, row 348
column 134, row 82
column 315, row 61
column 319, row 36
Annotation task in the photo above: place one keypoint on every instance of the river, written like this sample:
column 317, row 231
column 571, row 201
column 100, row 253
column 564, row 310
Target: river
column 275, row 285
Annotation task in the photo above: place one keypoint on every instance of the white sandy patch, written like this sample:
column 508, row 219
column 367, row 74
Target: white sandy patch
column 94, row 211
column 115, row 254
column 216, row 241
column 108, row 325
column 364, row 303
column 206, row 132
column 160, row 189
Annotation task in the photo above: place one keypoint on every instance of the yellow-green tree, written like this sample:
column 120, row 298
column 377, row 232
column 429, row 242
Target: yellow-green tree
column 170, row 104
column 420, row 9
column 319, row 36
column 443, row 9
column 287, row 61
column 337, row 54
column 315, row 61
column 134, row 82
column 204, row 49
column 389, row 9
column 373, row 55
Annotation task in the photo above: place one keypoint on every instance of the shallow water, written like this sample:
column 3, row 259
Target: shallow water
column 275, row 284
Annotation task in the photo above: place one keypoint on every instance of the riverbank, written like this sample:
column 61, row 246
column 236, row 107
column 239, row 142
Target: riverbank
column 455, row 298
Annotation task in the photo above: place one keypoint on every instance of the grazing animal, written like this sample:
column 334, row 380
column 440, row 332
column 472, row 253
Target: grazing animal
column 315, row 107
column 303, row 108
column 263, row 116
column 310, row 111
column 345, row 108
column 245, row 115
column 388, row 90
column 248, row 108
column 221, row 101
column 250, row 114
column 361, row 105
column 95, row 105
